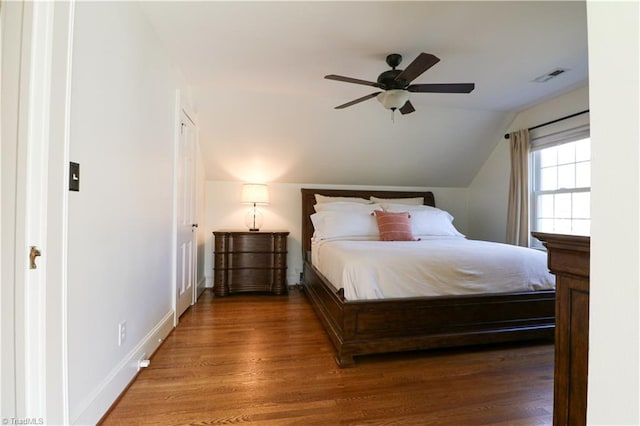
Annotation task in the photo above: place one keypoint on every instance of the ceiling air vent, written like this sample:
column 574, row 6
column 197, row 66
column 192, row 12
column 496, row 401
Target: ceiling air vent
column 548, row 76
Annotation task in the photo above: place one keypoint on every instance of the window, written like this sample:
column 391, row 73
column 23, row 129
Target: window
column 561, row 185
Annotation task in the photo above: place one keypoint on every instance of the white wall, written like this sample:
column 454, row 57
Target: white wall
column 284, row 212
column 123, row 113
column 614, row 331
column 489, row 191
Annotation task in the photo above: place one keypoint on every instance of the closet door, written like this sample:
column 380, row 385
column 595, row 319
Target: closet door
column 185, row 273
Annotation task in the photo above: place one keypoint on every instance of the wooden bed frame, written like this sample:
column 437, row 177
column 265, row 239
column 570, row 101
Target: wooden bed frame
column 392, row 325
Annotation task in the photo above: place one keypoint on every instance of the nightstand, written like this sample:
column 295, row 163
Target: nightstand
column 250, row 261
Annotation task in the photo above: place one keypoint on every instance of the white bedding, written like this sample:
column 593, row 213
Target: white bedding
column 434, row 266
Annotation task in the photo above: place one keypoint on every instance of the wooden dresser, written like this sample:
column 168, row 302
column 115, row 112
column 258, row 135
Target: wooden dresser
column 250, row 261
column 568, row 259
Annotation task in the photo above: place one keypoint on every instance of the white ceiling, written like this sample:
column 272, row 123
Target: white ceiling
column 265, row 112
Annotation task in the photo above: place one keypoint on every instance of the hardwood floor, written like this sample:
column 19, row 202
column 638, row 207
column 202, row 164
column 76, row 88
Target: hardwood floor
column 266, row 360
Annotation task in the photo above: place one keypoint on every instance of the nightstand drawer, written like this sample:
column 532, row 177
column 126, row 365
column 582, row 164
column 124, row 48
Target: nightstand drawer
column 254, row 243
column 250, row 261
column 254, row 280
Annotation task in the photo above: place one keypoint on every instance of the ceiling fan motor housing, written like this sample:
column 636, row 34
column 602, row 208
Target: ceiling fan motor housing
column 388, row 80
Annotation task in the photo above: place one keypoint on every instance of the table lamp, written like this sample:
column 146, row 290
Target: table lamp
column 254, row 194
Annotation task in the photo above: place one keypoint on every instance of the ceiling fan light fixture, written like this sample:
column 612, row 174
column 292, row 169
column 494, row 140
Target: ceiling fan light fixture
column 393, row 99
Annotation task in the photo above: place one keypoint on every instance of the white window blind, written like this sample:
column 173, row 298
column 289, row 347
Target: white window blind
column 560, row 137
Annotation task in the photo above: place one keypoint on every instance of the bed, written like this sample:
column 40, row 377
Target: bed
column 361, row 327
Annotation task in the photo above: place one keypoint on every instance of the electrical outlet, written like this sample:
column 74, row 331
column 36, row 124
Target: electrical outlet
column 122, row 332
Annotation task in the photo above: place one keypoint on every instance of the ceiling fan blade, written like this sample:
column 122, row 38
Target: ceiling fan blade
column 351, row 80
column 407, row 108
column 423, row 62
column 357, row 101
column 442, row 88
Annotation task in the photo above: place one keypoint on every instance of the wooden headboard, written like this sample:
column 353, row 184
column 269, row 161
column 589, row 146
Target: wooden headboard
column 309, row 201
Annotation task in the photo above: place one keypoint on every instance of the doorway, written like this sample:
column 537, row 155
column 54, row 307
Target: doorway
column 187, row 226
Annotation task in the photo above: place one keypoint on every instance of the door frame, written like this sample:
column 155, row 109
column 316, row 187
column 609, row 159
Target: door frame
column 195, row 212
column 37, row 115
column 10, row 51
column 179, row 111
column 199, row 237
column 185, row 217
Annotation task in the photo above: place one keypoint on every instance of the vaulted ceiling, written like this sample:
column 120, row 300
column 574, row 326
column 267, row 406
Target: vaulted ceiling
column 265, row 112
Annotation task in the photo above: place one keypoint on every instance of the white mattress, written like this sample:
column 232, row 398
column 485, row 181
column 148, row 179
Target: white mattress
column 434, row 266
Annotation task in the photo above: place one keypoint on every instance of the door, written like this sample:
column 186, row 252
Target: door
column 35, row 90
column 187, row 226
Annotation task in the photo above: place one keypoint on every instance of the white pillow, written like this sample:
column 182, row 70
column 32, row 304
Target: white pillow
column 326, row 199
column 344, row 224
column 416, row 201
column 434, row 222
column 347, row 206
column 398, row 208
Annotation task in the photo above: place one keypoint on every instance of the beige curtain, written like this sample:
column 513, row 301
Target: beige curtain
column 518, row 213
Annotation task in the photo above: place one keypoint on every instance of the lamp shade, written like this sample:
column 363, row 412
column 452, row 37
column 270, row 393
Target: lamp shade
column 393, row 99
column 254, row 193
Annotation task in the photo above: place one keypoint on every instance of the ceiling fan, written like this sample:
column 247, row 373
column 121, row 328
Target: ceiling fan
column 396, row 84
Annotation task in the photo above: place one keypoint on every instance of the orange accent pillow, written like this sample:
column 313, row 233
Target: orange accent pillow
column 394, row 226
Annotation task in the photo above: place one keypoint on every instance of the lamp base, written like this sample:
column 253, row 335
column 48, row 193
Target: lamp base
column 253, row 219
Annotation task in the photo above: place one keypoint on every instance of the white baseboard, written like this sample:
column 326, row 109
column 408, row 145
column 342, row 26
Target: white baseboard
column 96, row 404
column 293, row 279
column 209, row 282
column 200, row 287
column 202, row 282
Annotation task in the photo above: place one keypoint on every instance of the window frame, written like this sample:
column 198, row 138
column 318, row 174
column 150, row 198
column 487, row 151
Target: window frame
column 538, row 144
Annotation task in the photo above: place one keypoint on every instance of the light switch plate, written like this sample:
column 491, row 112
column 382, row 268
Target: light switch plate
column 74, row 176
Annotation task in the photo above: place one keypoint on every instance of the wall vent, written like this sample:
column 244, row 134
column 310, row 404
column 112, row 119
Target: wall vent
column 548, row 76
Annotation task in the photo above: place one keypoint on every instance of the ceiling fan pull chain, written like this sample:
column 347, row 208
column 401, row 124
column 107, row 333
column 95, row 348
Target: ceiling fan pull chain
column 393, row 118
